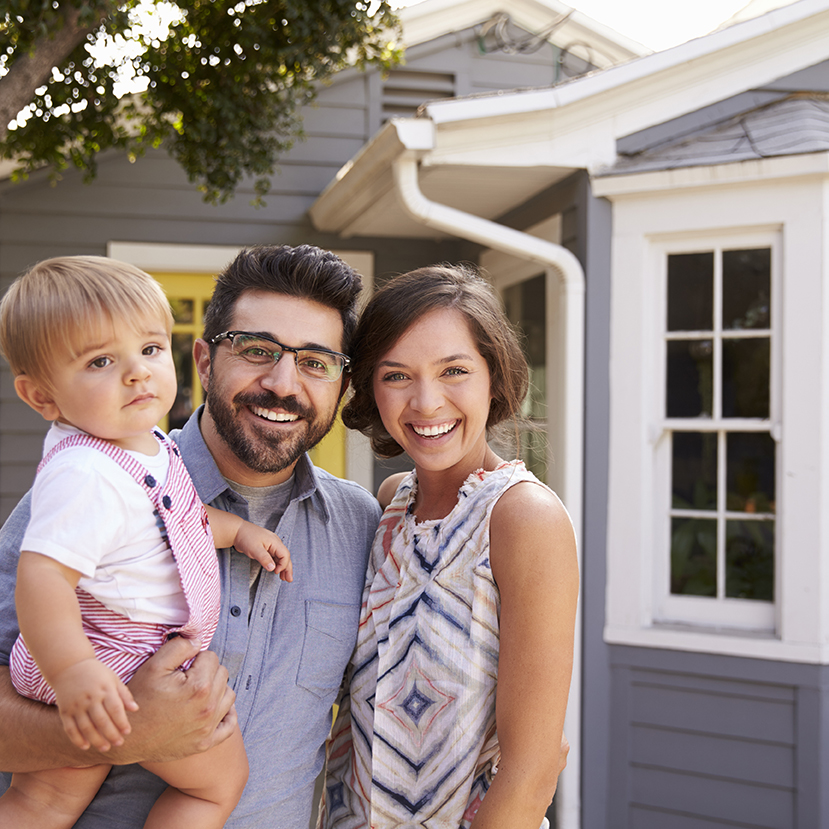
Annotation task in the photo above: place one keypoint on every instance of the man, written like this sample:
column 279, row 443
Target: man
column 283, row 646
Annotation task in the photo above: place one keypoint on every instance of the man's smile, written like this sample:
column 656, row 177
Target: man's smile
column 277, row 417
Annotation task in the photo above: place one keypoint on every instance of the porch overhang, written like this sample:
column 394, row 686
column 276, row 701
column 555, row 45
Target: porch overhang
column 362, row 200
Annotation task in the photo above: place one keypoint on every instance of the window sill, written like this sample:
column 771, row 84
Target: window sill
column 723, row 641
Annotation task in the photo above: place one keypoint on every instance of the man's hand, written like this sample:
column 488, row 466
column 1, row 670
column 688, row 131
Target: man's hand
column 180, row 712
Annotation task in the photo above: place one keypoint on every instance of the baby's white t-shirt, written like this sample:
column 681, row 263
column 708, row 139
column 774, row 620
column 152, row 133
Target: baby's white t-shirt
column 91, row 516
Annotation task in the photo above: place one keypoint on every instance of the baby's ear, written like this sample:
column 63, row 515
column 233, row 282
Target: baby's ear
column 34, row 395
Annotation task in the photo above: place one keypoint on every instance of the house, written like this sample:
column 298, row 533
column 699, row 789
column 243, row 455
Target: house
column 661, row 228
column 149, row 214
column 658, row 226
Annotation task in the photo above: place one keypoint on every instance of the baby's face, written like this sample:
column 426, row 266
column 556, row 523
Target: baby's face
column 121, row 383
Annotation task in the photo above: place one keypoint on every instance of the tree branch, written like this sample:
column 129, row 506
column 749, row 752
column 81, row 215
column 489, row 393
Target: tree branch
column 31, row 70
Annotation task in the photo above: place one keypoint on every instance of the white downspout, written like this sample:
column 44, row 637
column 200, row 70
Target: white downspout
column 571, row 275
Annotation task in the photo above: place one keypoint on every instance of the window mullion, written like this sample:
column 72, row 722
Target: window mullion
column 721, row 507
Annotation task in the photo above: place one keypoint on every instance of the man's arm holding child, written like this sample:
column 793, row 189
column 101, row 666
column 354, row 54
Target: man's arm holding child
column 180, row 713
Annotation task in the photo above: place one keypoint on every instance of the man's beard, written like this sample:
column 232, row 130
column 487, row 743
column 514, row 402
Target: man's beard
column 264, row 452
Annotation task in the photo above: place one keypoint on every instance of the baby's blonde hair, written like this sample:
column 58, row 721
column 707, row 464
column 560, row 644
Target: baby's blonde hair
column 58, row 303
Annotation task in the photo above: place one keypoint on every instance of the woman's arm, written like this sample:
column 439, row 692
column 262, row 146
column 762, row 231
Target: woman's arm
column 533, row 558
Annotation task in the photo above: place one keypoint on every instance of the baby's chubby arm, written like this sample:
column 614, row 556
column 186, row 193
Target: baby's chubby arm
column 255, row 542
column 92, row 700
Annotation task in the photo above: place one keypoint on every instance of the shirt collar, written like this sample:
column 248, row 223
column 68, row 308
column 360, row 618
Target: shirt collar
column 209, row 482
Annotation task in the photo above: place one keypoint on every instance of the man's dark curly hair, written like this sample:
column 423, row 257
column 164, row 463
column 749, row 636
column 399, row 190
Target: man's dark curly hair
column 397, row 306
column 305, row 271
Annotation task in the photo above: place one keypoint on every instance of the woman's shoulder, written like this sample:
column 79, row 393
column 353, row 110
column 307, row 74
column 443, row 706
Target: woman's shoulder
column 530, row 504
column 385, row 492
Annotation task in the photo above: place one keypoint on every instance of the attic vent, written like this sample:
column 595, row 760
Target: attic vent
column 405, row 90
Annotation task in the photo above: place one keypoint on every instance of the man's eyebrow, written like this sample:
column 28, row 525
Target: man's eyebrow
column 309, row 346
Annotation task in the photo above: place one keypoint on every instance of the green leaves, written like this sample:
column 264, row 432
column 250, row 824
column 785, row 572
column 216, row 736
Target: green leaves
column 222, row 83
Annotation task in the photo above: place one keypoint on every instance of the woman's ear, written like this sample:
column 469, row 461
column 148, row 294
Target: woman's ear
column 33, row 394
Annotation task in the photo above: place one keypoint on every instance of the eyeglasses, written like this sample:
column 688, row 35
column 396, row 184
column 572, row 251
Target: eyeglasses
column 262, row 350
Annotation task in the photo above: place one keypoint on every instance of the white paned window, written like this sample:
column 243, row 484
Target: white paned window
column 716, row 456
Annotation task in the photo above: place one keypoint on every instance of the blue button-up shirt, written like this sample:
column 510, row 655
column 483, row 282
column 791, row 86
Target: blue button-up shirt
column 286, row 654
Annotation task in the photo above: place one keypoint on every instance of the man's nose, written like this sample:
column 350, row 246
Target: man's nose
column 283, row 377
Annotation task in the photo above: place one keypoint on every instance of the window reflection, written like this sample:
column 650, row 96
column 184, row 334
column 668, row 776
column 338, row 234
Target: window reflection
column 526, row 307
column 749, row 560
column 694, row 557
column 690, row 387
column 691, row 292
column 745, row 377
column 182, row 345
column 750, row 472
column 183, row 310
column 694, row 470
column 722, row 479
column 746, row 289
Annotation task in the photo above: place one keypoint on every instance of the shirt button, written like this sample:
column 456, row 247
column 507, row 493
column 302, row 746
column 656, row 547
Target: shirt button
column 235, row 610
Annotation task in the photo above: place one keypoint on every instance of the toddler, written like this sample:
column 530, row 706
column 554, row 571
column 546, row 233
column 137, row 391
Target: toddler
column 118, row 555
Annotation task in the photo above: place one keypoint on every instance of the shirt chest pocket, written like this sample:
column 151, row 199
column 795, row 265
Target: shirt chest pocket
column 330, row 635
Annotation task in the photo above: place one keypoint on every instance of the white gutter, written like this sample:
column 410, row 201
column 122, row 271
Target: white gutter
column 571, row 280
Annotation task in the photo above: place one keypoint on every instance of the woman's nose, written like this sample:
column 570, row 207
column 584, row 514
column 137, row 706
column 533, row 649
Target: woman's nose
column 426, row 398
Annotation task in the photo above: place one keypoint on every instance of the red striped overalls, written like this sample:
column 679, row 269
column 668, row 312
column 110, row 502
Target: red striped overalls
column 119, row 642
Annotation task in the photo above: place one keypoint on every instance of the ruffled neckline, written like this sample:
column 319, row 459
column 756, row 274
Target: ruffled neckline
column 470, row 484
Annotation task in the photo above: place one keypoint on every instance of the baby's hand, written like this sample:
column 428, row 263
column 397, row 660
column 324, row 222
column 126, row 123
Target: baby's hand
column 92, row 703
column 266, row 548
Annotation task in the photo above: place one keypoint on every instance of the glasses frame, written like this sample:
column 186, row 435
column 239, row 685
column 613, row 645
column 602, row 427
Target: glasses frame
column 346, row 360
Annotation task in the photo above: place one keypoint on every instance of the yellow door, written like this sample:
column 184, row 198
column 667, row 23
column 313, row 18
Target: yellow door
column 189, row 295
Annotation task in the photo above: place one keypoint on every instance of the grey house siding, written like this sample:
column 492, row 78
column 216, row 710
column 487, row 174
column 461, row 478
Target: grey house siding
column 708, row 741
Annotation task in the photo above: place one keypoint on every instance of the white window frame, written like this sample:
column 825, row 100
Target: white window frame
column 784, row 197
column 737, row 614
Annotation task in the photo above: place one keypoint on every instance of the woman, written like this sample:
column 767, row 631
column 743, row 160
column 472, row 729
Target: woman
column 472, row 580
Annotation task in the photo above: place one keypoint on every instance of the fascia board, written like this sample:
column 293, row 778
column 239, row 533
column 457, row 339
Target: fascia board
column 430, row 19
column 683, row 66
column 717, row 175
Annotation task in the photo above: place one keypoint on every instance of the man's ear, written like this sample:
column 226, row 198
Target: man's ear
column 34, row 395
column 201, row 356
